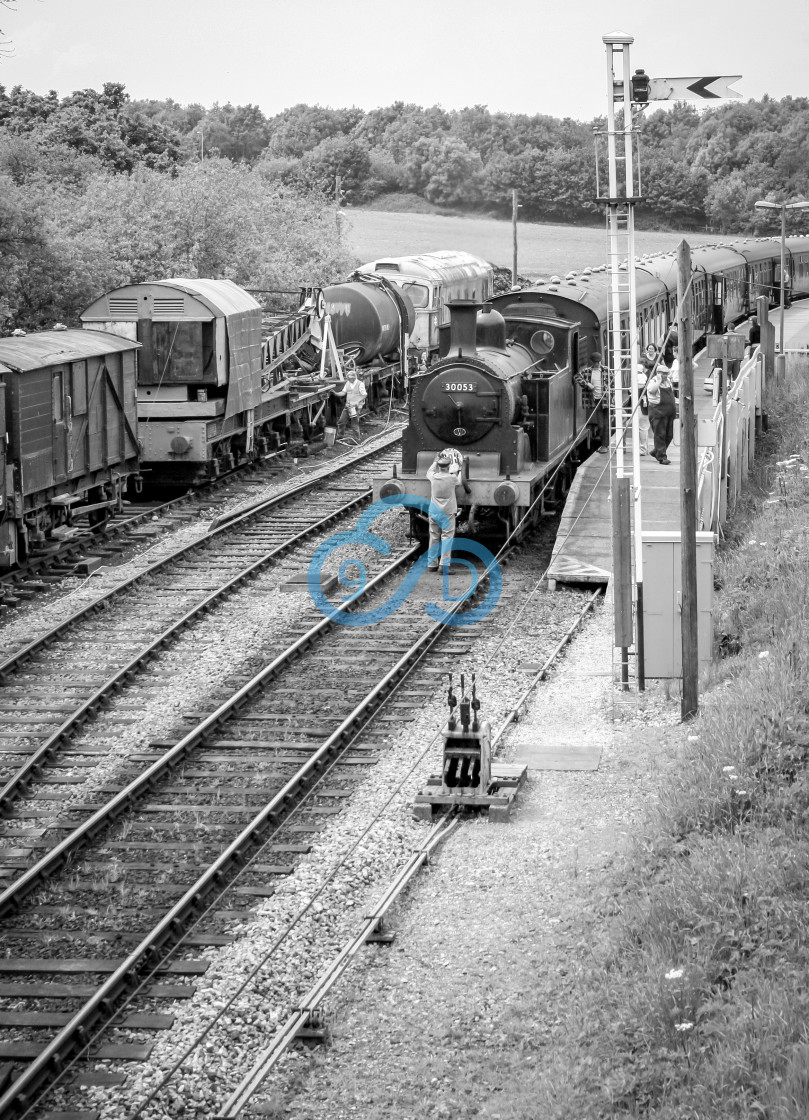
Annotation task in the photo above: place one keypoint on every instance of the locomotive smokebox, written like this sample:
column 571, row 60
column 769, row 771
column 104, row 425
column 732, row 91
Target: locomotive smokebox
column 463, row 327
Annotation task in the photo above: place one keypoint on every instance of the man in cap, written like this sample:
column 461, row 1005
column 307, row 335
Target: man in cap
column 444, row 476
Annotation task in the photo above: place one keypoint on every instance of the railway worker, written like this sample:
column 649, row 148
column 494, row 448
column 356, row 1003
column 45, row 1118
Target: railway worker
column 445, row 476
column 595, row 380
column 662, row 410
column 355, row 393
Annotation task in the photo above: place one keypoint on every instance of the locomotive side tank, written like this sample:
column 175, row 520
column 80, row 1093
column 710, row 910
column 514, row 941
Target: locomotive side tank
column 367, row 318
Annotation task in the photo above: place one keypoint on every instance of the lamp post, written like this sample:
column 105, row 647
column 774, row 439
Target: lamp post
column 783, row 207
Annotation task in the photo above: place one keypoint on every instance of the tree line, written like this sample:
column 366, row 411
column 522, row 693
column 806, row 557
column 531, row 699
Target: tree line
column 99, row 189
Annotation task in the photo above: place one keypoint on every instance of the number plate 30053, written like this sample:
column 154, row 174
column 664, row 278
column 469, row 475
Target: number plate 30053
column 459, row 387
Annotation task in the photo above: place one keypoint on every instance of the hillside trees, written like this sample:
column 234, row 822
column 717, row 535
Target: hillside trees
column 62, row 245
column 97, row 189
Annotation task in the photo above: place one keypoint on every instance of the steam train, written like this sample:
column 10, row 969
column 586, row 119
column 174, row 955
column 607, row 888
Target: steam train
column 182, row 377
column 504, row 394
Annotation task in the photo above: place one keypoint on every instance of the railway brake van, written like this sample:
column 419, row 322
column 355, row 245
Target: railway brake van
column 68, row 419
column 199, row 371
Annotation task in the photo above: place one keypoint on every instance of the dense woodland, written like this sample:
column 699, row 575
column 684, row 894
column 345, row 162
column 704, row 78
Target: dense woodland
column 98, row 189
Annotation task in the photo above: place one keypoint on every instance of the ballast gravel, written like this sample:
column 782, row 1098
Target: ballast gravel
column 503, row 653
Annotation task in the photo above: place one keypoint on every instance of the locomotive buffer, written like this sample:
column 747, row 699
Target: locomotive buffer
column 469, row 779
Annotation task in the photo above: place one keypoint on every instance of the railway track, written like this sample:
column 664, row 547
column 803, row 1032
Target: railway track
column 44, row 701
column 180, row 819
column 207, row 791
column 83, row 550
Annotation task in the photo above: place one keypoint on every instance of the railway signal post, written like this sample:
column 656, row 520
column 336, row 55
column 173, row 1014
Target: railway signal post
column 634, row 91
column 622, row 333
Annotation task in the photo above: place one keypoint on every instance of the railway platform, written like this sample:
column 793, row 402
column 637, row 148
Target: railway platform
column 582, row 552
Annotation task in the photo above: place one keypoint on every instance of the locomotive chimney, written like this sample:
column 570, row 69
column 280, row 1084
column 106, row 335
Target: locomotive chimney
column 463, row 325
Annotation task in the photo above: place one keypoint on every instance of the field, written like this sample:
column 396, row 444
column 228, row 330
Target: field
column 542, row 249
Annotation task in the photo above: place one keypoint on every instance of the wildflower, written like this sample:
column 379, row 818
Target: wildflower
column 728, row 769
column 742, row 792
column 764, row 653
column 751, row 542
column 675, row 974
column 683, row 1027
column 693, row 738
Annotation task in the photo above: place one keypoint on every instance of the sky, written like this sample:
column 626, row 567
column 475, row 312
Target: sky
column 523, row 56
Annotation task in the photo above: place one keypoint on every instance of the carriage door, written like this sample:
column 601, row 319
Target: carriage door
column 718, row 305
column 76, row 419
column 59, row 376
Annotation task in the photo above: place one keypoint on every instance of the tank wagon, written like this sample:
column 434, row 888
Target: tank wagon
column 370, row 319
column 68, row 415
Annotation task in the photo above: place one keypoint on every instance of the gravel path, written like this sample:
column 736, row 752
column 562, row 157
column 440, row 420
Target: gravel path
column 489, row 940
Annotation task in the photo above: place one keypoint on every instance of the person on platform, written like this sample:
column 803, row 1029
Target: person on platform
column 595, row 381
column 644, row 369
column 754, row 336
column 445, row 477
column 355, row 393
column 662, row 410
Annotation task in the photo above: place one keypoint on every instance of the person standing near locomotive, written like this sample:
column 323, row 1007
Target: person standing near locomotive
column 445, row 476
column 596, row 382
column 355, row 394
column 662, row 410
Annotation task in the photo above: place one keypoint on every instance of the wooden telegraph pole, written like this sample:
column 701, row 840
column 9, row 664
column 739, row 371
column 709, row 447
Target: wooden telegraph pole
column 688, row 494
column 514, row 208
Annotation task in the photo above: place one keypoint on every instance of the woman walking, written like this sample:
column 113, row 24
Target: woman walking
column 662, row 410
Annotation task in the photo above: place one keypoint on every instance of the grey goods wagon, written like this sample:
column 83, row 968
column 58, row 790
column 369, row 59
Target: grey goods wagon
column 68, row 415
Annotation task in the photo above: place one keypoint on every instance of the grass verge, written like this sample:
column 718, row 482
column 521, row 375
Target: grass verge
column 699, row 1007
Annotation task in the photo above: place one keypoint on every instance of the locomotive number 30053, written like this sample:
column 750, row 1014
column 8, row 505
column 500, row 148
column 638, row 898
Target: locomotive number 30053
column 459, row 387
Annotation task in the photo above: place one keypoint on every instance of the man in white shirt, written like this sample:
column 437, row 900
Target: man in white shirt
column 444, row 476
column 355, row 393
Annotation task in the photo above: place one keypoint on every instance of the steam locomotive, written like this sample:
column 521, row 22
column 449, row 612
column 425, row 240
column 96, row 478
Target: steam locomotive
column 502, row 393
